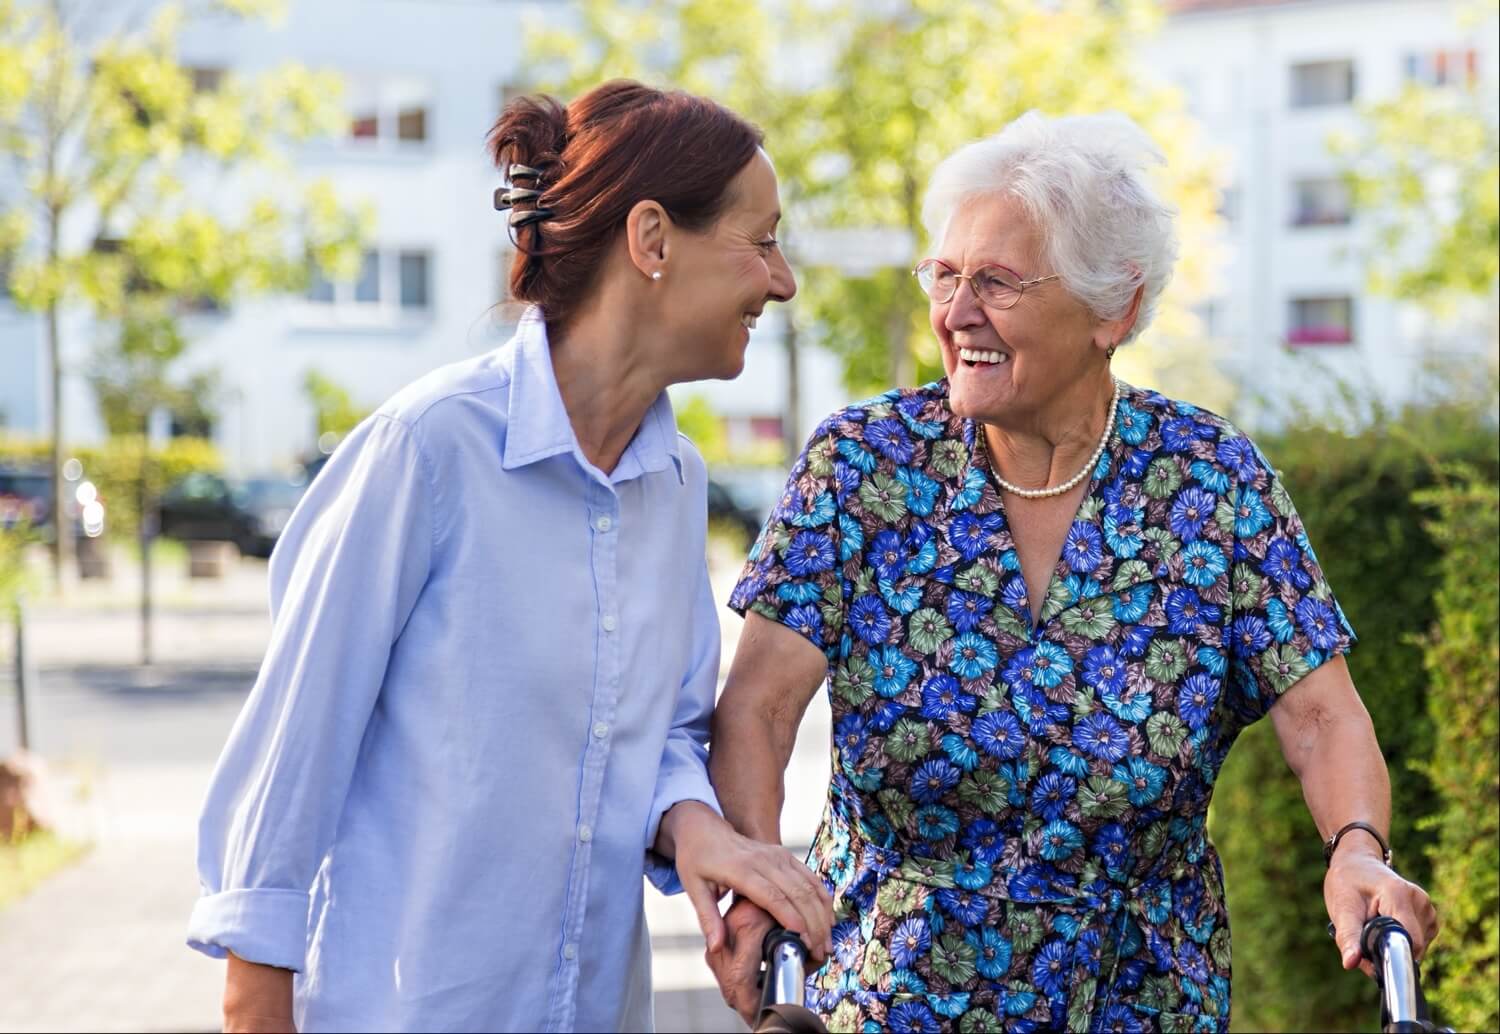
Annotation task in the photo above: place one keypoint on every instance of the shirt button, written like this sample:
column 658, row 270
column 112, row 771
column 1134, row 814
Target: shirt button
column 609, row 622
column 603, row 523
column 601, row 730
column 585, row 834
column 570, row 951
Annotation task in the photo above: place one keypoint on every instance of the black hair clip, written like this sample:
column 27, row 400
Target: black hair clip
column 511, row 196
column 519, row 219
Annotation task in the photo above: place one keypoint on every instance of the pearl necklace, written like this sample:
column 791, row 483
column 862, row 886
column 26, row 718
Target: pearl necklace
column 1045, row 493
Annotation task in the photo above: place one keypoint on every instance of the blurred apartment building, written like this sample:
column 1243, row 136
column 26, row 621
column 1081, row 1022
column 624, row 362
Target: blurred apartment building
column 1269, row 81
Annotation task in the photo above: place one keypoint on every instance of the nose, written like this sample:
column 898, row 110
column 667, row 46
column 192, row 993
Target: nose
column 964, row 310
column 783, row 282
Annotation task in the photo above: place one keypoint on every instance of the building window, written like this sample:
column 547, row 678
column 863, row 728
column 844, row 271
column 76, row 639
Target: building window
column 414, row 279
column 393, row 111
column 391, row 286
column 206, row 79
column 1321, row 83
column 320, row 290
column 1321, row 201
column 1326, row 320
column 367, row 284
column 1458, row 67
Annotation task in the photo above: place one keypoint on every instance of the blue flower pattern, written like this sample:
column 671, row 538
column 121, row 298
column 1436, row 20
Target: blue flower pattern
column 1015, row 830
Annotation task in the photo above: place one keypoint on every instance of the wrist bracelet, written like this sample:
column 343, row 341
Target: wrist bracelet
column 1332, row 843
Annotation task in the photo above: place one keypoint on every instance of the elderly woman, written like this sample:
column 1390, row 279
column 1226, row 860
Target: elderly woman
column 1045, row 602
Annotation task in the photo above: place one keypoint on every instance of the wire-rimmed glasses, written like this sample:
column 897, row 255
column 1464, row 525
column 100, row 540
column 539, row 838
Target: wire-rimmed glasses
column 994, row 285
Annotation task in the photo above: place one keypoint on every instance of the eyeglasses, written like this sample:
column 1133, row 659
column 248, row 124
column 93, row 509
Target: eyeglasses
column 995, row 286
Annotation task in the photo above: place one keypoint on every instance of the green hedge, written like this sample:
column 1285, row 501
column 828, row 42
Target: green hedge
column 1360, row 498
column 114, row 466
column 1463, row 702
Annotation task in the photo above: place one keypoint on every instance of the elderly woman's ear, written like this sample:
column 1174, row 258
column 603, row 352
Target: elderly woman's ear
column 1112, row 333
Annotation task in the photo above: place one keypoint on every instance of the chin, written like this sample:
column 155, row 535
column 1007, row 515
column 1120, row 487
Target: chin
column 728, row 370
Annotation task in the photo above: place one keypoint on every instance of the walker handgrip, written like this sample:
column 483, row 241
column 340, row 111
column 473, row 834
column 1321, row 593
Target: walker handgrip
column 782, row 978
column 1385, row 942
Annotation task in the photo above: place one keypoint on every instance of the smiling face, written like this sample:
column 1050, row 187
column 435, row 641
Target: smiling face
column 717, row 283
column 1010, row 366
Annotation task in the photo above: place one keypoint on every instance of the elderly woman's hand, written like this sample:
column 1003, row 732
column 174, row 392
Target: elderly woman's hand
column 712, row 858
column 1359, row 886
column 736, row 962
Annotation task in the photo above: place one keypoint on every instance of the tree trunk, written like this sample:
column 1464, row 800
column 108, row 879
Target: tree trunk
column 147, row 510
column 791, row 429
column 903, row 365
column 898, row 328
column 62, row 527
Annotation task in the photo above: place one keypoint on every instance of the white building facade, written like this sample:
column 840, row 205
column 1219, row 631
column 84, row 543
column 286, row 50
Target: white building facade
column 426, row 79
column 1271, row 82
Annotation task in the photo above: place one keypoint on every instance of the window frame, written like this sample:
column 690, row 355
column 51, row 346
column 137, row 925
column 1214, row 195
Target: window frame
column 345, row 309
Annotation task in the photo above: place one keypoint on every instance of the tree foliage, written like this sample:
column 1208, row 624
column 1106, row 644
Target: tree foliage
column 1425, row 174
column 1359, row 496
column 336, row 410
column 136, row 180
column 1462, row 661
column 110, row 131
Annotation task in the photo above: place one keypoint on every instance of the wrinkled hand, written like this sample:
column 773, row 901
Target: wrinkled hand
column 712, row 857
column 1360, row 886
column 736, row 961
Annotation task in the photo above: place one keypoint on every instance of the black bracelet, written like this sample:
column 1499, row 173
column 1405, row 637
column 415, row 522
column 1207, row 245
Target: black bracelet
column 1332, row 843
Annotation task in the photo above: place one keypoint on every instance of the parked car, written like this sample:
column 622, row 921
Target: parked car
column 205, row 507
column 26, row 497
column 727, row 504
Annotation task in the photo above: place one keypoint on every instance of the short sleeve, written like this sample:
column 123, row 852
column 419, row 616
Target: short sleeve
column 794, row 571
column 1285, row 621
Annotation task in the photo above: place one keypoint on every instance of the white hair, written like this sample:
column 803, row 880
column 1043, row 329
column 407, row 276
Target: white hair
column 1082, row 180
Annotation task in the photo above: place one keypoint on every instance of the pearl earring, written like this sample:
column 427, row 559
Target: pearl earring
column 656, row 275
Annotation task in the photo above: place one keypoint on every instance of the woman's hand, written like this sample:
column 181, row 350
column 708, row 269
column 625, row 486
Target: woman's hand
column 257, row 998
column 736, row 962
column 1359, row 886
column 1327, row 738
column 712, row 858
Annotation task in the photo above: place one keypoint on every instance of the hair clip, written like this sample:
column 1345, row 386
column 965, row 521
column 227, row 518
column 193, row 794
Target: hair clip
column 519, row 219
column 522, row 172
column 507, row 198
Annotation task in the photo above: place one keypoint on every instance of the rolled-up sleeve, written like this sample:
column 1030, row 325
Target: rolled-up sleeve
column 683, row 775
column 345, row 576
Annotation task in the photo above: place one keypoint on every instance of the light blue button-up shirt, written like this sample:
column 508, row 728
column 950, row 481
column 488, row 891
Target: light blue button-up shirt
column 490, row 673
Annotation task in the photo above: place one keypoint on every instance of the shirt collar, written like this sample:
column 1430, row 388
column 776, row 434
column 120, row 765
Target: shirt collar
column 538, row 422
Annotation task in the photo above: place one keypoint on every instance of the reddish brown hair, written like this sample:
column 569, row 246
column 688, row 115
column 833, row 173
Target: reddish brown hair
column 618, row 144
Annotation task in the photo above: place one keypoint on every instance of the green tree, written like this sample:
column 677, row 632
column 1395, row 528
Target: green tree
column 860, row 102
column 134, row 376
column 1462, row 656
column 336, row 411
column 122, row 158
column 704, row 427
column 1424, row 173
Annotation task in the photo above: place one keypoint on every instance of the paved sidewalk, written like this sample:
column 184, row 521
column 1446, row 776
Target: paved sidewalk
column 99, row 946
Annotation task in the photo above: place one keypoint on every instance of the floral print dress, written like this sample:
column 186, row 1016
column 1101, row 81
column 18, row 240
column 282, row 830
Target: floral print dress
column 1014, row 832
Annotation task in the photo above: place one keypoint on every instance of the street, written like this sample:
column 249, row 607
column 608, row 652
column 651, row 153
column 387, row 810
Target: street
column 99, row 946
